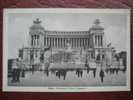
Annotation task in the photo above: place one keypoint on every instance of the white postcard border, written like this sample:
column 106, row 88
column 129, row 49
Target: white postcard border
column 61, row 89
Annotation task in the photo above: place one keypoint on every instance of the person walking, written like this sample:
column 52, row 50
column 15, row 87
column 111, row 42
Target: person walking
column 101, row 75
column 18, row 70
column 14, row 71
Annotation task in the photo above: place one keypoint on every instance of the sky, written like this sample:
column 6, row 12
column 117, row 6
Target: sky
column 114, row 24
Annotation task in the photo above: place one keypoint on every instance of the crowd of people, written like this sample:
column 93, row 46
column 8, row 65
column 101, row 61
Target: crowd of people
column 17, row 71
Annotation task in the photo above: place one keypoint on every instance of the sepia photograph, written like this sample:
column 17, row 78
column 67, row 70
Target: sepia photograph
column 66, row 50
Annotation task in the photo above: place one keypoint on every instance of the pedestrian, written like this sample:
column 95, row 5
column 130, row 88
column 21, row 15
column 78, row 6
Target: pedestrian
column 17, row 75
column 94, row 73
column 14, row 71
column 101, row 75
column 23, row 73
column 18, row 70
column 81, row 73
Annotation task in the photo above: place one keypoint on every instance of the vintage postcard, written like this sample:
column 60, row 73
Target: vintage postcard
column 66, row 50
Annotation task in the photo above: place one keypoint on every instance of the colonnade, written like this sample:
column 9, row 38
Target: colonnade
column 59, row 42
column 98, row 40
column 35, row 40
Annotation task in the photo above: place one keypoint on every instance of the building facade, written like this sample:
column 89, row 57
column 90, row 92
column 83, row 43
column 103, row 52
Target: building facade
column 41, row 41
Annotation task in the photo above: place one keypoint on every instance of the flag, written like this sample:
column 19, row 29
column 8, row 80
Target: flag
column 109, row 45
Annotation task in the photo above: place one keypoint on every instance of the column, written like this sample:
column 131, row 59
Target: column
column 48, row 41
column 77, row 42
column 95, row 40
column 53, row 42
column 101, row 41
column 32, row 40
column 88, row 40
column 44, row 41
column 61, row 42
column 37, row 39
column 57, row 42
column 80, row 42
column 83, row 42
column 86, row 45
column 70, row 41
column 76, row 39
column 98, row 41
column 65, row 42
column 74, row 43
